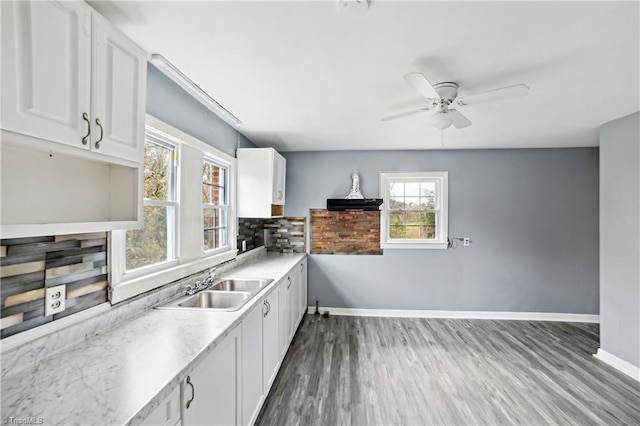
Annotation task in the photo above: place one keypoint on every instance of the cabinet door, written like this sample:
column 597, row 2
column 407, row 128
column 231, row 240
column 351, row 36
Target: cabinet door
column 270, row 340
column 211, row 390
column 279, row 177
column 285, row 315
column 120, row 70
column 167, row 413
column 46, row 69
column 294, row 302
column 252, row 363
column 303, row 287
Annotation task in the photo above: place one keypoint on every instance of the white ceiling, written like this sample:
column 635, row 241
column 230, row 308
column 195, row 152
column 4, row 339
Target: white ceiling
column 302, row 76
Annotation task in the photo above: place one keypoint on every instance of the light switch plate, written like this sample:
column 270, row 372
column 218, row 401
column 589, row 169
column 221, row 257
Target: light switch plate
column 54, row 299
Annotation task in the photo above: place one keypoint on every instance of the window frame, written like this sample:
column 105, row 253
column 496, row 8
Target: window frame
column 441, row 180
column 190, row 258
column 173, row 250
column 222, row 207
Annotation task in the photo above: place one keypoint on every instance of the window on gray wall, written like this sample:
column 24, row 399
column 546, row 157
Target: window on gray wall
column 155, row 242
column 415, row 210
column 215, row 204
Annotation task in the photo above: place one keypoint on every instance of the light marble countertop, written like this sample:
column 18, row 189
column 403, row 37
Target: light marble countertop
column 120, row 375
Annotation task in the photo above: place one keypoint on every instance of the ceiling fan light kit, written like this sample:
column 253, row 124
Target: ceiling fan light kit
column 441, row 120
column 442, row 95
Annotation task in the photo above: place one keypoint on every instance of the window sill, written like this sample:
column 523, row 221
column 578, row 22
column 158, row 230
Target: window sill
column 413, row 246
column 135, row 286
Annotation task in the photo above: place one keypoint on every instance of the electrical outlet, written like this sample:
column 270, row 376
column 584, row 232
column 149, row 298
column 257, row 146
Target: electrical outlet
column 54, row 299
column 466, row 242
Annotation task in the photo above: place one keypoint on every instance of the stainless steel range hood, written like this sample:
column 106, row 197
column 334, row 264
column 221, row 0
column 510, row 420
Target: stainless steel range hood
column 363, row 204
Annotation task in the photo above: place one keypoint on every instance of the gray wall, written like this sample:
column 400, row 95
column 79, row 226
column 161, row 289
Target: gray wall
column 620, row 238
column 169, row 103
column 532, row 216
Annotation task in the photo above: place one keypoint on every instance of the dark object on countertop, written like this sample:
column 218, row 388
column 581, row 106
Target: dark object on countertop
column 363, row 204
column 326, row 314
column 317, row 312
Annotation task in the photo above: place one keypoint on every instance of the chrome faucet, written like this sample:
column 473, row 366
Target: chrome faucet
column 201, row 285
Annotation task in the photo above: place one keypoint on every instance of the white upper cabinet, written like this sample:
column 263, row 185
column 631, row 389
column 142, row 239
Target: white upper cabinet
column 120, row 80
column 73, row 121
column 69, row 77
column 46, row 70
column 261, row 182
column 279, row 171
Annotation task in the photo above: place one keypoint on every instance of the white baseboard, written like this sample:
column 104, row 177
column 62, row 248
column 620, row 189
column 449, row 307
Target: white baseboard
column 405, row 313
column 619, row 364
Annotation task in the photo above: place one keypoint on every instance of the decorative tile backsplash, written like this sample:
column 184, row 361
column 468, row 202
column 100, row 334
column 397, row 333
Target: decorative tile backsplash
column 29, row 265
column 283, row 235
column 286, row 234
column 251, row 231
column 345, row 232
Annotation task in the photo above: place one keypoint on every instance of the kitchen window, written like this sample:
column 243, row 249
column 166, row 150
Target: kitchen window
column 155, row 242
column 189, row 214
column 215, row 203
column 414, row 214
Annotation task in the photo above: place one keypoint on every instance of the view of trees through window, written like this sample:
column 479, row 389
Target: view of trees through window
column 214, row 205
column 411, row 210
column 150, row 244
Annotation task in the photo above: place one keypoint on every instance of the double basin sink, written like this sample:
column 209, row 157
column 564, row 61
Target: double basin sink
column 229, row 294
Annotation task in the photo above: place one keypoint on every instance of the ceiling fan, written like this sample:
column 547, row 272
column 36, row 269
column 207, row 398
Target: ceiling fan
column 442, row 95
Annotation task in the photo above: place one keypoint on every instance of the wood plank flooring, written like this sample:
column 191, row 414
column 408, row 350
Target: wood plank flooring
column 391, row 371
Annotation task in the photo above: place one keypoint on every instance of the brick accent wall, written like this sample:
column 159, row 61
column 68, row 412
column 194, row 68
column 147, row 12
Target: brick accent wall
column 345, row 232
column 29, row 265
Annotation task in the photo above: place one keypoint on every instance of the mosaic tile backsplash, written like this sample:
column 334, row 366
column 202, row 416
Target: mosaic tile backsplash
column 251, row 231
column 283, row 235
column 29, row 265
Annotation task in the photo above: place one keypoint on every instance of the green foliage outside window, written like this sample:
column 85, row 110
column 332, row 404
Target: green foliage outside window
column 411, row 206
column 149, row 244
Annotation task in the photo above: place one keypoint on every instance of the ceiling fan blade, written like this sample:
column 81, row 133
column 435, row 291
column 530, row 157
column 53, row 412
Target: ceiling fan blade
column 422, row 85
column 495, row 94
column 459, row 120
column 404, row 114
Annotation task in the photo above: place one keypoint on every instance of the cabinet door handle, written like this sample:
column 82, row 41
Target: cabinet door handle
column 193, row 392
column 265, row 305
column 101, row 133
column 85, row 139
column 268, row 307
column 289, row 279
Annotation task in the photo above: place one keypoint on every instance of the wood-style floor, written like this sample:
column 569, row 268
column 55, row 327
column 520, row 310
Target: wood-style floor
column 390, row 371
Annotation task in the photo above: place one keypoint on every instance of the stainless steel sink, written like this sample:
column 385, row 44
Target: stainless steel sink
column 241, row 284
column 213, row 300
column 229, row 294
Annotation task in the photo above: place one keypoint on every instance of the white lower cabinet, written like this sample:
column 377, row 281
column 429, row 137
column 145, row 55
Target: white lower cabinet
column 210, row 394
column 285, row 315
column 231, row 384
column 303, row 286
column 260, row 354
column 167, row 413
column 252, row 337
column 270, row 340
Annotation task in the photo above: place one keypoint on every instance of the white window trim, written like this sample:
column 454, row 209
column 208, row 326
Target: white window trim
column 226, row 207
column 125, row 286
column 442, row 228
